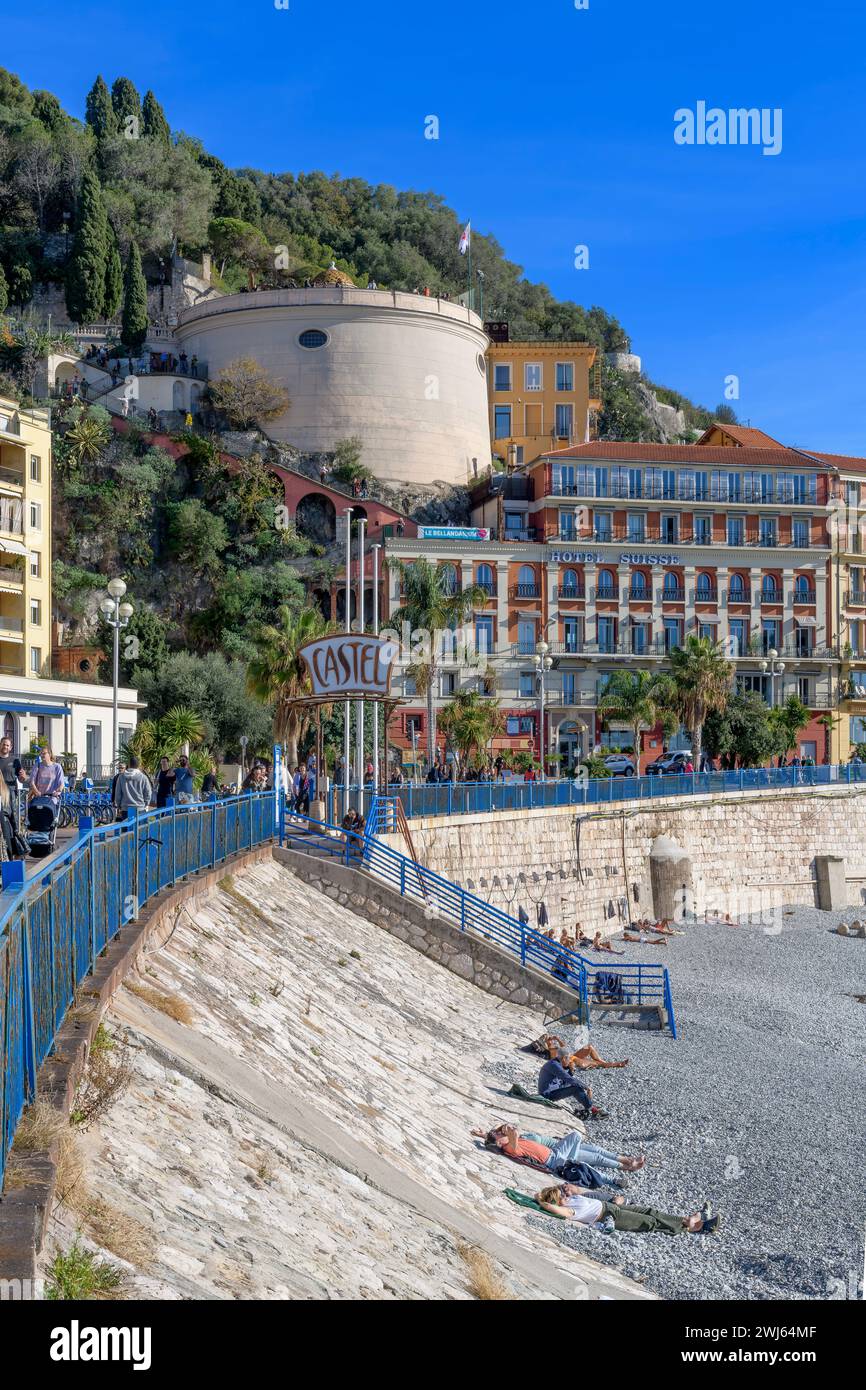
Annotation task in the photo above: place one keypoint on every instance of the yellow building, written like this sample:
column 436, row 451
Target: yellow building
column 25, row 541
column 542, row 396
column 848, row 539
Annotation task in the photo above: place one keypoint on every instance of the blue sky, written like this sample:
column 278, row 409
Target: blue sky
column 556, row 129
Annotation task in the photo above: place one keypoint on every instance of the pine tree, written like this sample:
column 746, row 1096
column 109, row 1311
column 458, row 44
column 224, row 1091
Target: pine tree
column 4, row 291
column 156, row 127
column 88, row 263
column 113, row 280
column 133, row 329
column 126, row 103
column 99, row 112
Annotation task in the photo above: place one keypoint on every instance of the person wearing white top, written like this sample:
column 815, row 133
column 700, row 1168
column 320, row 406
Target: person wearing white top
column 570, row 1202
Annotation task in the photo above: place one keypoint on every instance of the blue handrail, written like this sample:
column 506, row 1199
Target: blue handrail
column 55, row 923
column 638, row 983
column 473, row 798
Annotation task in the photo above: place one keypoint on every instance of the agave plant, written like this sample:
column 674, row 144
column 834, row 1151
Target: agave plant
column 86, row 439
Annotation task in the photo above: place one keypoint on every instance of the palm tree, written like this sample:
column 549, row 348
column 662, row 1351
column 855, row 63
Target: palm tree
column 702, row 678
column 166, row 737
column 788, row 720
column 277, row 675
column 470, row 721
column 639, row 698
column 430, row 606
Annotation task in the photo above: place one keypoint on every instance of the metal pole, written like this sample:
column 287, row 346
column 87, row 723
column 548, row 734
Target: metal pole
column 376, row 549
column 116, row 678
column 346, row 704
column 359, row 704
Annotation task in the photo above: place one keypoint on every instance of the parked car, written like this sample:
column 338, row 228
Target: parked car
column 670, row 763
column 621, row 765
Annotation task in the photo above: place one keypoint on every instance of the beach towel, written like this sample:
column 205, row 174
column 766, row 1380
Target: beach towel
column 521, row 1093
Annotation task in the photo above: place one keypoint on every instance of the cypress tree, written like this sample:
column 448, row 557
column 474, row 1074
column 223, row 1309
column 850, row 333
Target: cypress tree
column 99, row 112
column 156, row 127
column 88, row 263
column 126, row 102
column 47, row 109
column 113, row 279
column 4, row 291
column 133, row 329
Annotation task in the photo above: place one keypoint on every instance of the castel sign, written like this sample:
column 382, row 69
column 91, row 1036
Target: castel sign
column 349, row 665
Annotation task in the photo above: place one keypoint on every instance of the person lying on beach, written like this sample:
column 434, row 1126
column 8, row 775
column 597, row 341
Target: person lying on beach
column 582, row 1059
column 573, row 1203
column 586, row 1058
column 542, row 1151
column 643, row 940
column 599, row 945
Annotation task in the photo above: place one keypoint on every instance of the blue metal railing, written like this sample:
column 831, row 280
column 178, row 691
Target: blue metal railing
column 635, row 984
column 55, row 923
column 470, row 798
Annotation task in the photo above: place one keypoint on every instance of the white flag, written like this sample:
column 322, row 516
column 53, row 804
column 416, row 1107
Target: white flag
column 465, row 239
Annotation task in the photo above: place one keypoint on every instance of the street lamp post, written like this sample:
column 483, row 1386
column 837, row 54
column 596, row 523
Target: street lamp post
column 359, row 704
column 543, row 664
column 117, row 616
column 775, row 668
column 347, row 704
column 375, row 549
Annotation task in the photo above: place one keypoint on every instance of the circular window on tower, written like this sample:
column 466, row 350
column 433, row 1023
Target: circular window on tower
column 313, row 338
column 482, row 365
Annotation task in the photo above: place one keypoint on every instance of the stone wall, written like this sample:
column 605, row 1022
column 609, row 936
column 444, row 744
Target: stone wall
column 750, row 852
column 481, row 964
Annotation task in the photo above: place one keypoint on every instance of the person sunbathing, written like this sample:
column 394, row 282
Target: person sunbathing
column 573, row 1203
column 643, row 940
column 566, row 940
column 599, row 945
column 542, row 1151
column 585, row 1058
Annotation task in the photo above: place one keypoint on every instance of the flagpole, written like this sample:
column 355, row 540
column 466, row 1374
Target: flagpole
column 469, row 253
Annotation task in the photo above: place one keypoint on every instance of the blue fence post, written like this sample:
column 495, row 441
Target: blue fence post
column 213, row 825
column 12, row 871
column 169, row 801
column 450, row 796
column 402, row 874
column 410, row 800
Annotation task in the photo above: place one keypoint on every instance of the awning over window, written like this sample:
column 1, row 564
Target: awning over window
column 13, row 547
column 33, row 707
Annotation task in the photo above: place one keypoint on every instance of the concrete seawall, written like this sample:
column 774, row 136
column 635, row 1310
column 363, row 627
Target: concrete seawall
column 749, row 852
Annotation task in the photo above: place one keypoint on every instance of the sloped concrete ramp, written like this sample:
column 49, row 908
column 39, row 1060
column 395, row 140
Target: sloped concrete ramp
column 306, row 1135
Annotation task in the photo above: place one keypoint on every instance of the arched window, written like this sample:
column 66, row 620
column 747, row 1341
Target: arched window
column 737, row 587
column 639, row 586
column 671, row 584
column 605, row 583
column 804, row 588
column 569, row 582
column 526, row 575
column 704, row 585
column 449, row 579
column 768, row 588
column 484, row 577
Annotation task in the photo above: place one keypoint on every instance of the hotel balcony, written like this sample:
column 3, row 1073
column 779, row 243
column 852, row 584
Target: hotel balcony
column 525, row 591
column 573, row 591
column 856, row 596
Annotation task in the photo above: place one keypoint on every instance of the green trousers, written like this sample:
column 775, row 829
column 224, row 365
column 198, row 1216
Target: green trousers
column 640, row 1219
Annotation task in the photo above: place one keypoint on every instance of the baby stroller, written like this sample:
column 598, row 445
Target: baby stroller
column 41, row 826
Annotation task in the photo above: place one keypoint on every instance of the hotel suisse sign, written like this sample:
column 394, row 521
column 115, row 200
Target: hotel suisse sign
column 629, row 557
column 349, row 665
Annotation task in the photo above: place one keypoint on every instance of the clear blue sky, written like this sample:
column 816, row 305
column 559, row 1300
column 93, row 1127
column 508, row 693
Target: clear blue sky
column 556, row 129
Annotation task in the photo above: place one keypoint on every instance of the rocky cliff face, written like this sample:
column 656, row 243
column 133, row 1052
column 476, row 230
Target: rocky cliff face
column 669, row 424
